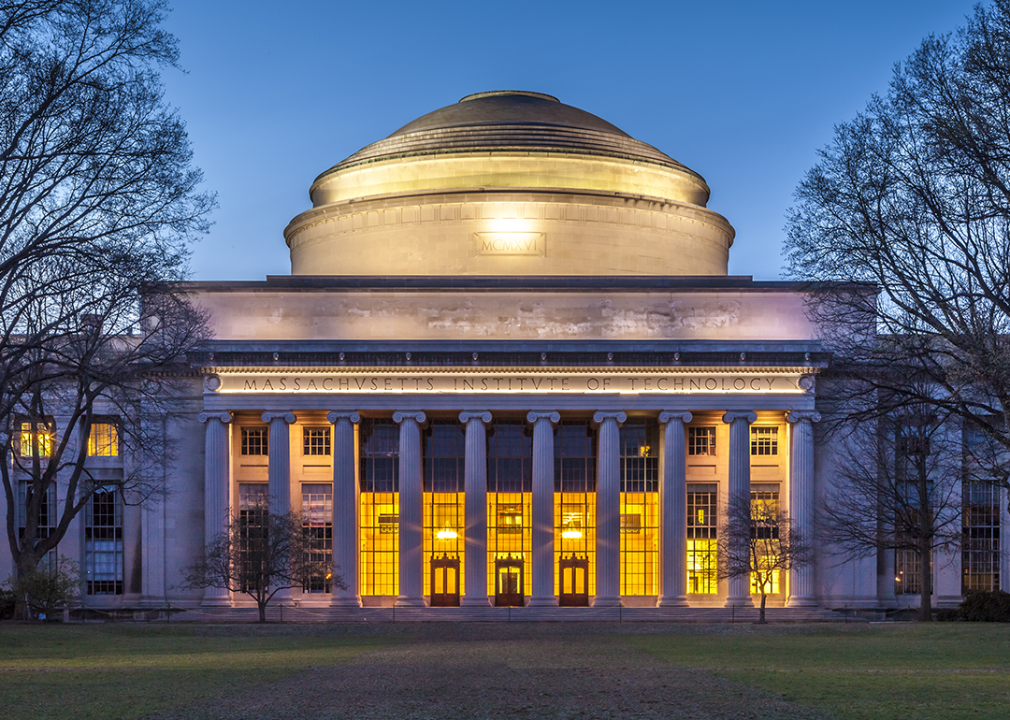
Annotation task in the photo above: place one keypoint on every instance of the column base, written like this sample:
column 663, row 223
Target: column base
column 740, row 602
column 676, row 601
column 802, row 602
column 550, row 601
column 474, row 602
column 607, row 602
column 409, row 602
column 345, row 602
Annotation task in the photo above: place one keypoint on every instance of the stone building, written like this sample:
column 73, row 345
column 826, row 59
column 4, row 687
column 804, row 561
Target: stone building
column 508, row 368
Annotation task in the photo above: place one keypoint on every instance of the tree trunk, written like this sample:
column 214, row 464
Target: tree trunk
column 926, row 603
column 26, row 564
column 263, row 611
column 761, row 616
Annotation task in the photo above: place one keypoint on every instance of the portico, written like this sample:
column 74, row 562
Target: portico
column 600, row 472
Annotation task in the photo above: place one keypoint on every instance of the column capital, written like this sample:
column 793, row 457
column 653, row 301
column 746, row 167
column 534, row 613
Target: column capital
column 795, row 416
column 288, row 417
column 416, row 415
column 225, row 417
column 534, row 415
column 467, row 415
column 733, row 415
column 668, row 415
column 600, row 415
column 333, row 415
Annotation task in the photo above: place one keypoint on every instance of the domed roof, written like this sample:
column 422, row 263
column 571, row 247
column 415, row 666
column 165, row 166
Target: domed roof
column 507, row 120
column 509, row 107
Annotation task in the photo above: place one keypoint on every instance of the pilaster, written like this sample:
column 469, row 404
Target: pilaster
column 279, row 472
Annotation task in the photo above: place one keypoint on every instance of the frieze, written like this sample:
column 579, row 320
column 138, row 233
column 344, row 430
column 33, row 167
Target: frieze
column 511, row 382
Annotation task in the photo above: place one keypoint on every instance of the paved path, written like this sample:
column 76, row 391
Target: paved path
column 502, row 671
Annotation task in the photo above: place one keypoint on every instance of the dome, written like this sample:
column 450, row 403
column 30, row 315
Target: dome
column 473, row 187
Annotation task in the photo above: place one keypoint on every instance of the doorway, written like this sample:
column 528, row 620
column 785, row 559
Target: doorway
column 508, row 583
column 445, row 581
column 573, row 581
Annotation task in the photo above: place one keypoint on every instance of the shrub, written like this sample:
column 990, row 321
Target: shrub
column 7, row 602
column 982, row 606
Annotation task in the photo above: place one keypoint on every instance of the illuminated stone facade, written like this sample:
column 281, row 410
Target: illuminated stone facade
column 508, row 368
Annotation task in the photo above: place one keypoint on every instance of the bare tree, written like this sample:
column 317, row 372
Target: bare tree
column 98, row 203
column 760, row 543
column 903, row 229
column 898, row 490
column 260, row 554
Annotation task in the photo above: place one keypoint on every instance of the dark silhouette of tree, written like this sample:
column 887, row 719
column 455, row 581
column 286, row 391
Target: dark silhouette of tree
column 760, row 543
column 98, row 203
column 903, row 229
column 260, row 554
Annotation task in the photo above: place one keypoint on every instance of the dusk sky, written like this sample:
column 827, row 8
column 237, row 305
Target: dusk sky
column 744, row 93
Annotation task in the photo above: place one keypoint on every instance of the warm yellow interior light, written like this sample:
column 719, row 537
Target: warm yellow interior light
column 446, row 533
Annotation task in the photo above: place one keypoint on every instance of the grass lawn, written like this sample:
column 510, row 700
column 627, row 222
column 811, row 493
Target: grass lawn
column 926, row 672
column 58, row 671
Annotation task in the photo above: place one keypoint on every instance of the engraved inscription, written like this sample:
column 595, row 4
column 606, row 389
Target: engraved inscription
column 510, row 243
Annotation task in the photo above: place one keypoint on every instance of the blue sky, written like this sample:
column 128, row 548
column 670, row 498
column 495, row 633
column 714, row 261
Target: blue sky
column 742, row 92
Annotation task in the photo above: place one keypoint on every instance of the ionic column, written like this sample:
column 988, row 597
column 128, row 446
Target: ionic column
column 279, row 461
column 739, row 488
column 216, row 484
column 411, row 509
column 673, row 509
column 801, row 502
column 475, row 508
column 345, row 510
column 279, row 472
column 543, row 507
column 608, row 509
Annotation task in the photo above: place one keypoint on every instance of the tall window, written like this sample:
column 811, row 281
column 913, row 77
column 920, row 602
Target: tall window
column 444, row 450
column 103, row 542
column 980, row 547
column 47, row 518
column 378, row 467
column 252, row 509
column 575, row 495
column 764, row 440
column 764, row 503
column 255, row 441
column 639, row 507
column 509, row 497
column 103, row 441
column 317, row 524
column 701, row 441
column 702, row 539
column 913, row 490
column 316, row 441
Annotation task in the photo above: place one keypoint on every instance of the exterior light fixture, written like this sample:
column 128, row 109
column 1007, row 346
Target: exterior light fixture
column 447, row 533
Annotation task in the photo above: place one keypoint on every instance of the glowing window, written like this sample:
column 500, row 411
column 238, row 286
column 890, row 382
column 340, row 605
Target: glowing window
column 40, row 435
column 317, row 524
column 702, row 540
column 509, row 498
column 378, row 477
column 103, row 441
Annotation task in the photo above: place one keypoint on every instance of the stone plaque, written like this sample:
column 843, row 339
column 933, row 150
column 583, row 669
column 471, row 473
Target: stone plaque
column 510, row 243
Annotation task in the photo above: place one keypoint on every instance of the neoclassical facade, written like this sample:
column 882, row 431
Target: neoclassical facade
column 508, row 368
